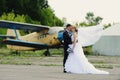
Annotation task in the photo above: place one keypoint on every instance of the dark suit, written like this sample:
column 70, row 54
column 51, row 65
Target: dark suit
column 67, row 41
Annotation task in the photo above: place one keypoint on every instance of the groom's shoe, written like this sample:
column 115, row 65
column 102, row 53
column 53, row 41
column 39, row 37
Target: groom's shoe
column 64, row 71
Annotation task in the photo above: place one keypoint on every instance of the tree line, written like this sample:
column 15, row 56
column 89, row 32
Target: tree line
column 34, row 11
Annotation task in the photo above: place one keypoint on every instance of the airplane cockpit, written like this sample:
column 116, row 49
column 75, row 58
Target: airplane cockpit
column 57, row 30
column 54, row 30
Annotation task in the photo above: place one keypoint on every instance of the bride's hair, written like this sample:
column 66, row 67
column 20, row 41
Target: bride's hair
column 76, row 30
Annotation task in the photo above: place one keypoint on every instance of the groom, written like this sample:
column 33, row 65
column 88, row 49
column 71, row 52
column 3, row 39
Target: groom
column 67, row 40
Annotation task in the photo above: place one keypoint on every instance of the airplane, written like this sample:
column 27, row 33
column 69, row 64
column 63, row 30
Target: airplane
column 42, row 37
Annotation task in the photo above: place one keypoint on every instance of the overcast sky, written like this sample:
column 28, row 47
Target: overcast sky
column 75, row 10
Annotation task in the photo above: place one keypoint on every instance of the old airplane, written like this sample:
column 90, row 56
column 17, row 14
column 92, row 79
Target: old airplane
column 42, row 37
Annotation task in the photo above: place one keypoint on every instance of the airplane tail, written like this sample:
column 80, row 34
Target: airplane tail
column 11, row 32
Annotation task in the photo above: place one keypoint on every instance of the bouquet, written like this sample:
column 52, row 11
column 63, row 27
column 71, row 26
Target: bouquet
column 69, row 50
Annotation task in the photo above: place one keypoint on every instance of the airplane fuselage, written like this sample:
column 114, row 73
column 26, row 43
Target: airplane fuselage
column 43, row 37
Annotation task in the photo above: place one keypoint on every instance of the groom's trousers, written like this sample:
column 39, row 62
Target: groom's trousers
column 65, row 55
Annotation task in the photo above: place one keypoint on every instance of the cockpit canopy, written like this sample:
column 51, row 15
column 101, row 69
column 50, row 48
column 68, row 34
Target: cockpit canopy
column 54, row 30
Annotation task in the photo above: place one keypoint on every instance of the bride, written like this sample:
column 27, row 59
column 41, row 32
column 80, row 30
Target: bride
column 77, row 61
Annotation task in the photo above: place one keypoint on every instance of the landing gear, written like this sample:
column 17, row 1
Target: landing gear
column 47, row 53
column 15, row 52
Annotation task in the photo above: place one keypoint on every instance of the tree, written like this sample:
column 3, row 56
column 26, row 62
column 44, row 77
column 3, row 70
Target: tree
column 107, row 25
column 64, row 19
column 37, row 10
column 83, row 24
column 91, row 20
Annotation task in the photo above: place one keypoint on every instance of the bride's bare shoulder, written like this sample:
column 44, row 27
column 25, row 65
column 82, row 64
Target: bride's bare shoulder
column 75, row 34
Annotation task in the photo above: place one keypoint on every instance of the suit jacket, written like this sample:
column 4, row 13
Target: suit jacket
column 67, row 39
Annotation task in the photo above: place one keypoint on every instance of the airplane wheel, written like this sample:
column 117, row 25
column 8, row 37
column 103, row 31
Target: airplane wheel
column 47, row 53
column 17, row 53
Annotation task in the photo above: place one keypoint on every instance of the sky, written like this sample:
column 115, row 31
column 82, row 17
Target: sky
column 75, row 10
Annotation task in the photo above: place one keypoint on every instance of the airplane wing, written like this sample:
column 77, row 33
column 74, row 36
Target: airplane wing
column 24, row 43
column 5, row 36
column 22, row 26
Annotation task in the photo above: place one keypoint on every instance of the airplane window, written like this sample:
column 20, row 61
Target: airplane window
column 43, row 35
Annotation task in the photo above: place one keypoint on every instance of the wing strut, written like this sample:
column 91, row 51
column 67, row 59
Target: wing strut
column 16, row 33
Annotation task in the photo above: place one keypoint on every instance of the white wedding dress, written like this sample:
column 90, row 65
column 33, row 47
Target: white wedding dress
column 77, row 61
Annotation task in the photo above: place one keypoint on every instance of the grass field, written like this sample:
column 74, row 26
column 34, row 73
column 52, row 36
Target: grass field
column 37, row 58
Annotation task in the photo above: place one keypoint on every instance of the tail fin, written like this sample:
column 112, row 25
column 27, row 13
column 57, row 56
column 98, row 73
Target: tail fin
column 11, row 32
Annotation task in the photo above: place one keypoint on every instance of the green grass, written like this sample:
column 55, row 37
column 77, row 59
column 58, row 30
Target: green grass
column 104, row 66
column 50, row 65
column 37, row 58
column 15, row 63
column 97, row 62
column 118, row 66
column 25, row 57
column 6, row 52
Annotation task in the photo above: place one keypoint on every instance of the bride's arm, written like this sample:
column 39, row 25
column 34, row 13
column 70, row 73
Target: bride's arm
column 74, row 40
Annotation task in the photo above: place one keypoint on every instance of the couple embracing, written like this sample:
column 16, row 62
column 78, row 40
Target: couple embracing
column 74, row 59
